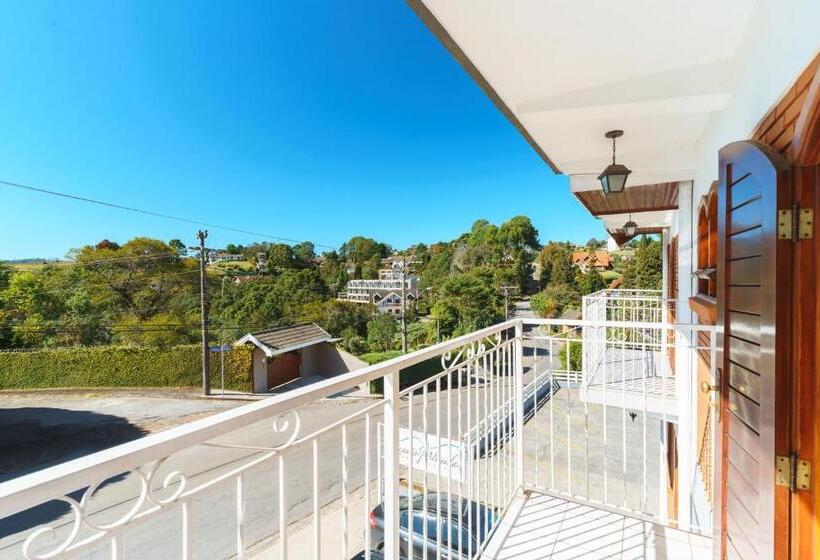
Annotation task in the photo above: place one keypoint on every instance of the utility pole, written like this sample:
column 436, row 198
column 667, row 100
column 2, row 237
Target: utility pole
column 403, row 306
column 203, row 301
column 507, row 290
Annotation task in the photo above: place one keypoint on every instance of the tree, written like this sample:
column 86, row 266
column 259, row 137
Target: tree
column 467, row 302
column 556, row 264
column 361, row 250
column 370, row 268
column 644, row 271
column 232, row 249
column 353, row 342
column 337, row 317
column 106, row 245
column 280, row 256
column 275, row 301
column 590, row 281
column 438, row 268
column 382, row 333
column 554, row 299
column 518, row 233
column 142, row 276
column 304, row 254
column 420, row 334
column 333, row 272
column 544, row 305
column 178, row 246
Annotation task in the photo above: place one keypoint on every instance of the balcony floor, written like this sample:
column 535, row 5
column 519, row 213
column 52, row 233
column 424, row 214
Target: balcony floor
column 546, row 527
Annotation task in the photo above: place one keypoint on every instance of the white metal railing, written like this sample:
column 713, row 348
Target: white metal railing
column 354, row 297
column 623, row 305
column 605, row 443
column 382, row 284
column 303, row 480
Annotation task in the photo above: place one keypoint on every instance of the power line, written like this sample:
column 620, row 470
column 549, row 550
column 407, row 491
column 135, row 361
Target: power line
column 152, row 213
column 82, row 286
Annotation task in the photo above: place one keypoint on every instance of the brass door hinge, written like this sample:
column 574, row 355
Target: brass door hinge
column 805, row 229
column 792, row 472
column 784, row 224
column 795, row 224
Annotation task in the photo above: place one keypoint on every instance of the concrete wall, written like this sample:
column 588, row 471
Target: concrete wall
column 327, row 360
column 260, row 371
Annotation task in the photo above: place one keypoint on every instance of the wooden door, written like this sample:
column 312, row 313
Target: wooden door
column 753, row 297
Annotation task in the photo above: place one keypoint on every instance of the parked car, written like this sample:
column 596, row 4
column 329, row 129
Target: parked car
column 374, row 555
column 455, row 530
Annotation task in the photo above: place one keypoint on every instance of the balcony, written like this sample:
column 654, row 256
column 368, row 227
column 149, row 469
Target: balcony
column 630, row 367
column 502, row 454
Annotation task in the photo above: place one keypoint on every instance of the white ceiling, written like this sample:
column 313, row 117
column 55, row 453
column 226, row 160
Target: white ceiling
column 572, row 69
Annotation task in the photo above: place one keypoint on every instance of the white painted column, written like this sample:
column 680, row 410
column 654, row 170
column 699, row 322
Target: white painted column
column 685, row 358
column 519, row 404
column 391, row 465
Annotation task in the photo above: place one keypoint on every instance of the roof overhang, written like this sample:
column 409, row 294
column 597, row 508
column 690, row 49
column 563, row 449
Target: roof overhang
column 620, row 237
column 564, row 72
column 645, row 198
column 272, row 352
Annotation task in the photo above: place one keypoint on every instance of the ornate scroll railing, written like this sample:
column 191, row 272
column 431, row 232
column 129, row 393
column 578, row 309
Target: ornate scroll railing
column 306, row 474
column 315, row 475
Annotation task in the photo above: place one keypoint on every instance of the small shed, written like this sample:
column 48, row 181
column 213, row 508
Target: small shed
column 284, row 354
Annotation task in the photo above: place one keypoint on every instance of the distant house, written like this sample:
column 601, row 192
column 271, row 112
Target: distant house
column 284, row 354
column 386, row 291
column 224, row 257
column 244, row 278
column 586, row 260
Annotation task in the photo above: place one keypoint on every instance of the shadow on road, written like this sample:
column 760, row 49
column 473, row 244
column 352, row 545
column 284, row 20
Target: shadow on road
column 36, row 438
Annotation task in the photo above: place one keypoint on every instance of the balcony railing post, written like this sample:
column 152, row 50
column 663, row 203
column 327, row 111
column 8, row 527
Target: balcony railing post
column 519, row 404
column 391, row 465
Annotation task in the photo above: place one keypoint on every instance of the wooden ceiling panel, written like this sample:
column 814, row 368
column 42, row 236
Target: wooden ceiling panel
column 643, row 198
column 620, row 237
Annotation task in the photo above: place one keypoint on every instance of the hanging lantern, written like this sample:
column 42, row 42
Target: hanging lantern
column 630, row 227
column 613, row 178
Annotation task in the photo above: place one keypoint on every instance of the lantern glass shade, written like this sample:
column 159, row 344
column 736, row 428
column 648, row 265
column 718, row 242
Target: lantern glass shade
column 630, row 228
column 613, row 178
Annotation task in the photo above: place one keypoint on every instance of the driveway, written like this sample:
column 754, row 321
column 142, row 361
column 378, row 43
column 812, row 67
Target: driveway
column 44, row 428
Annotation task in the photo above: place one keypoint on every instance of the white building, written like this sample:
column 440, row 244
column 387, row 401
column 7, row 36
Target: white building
column 216, row 257
column 385, row 292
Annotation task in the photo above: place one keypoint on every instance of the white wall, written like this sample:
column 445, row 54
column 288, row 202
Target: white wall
column 781, row 39
column 685, row 362
column 260, row 371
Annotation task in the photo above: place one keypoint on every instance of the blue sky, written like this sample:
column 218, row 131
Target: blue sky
column 308, row 120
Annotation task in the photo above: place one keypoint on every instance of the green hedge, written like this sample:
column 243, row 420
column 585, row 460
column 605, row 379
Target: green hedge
column 408, row 376
column 121, row 366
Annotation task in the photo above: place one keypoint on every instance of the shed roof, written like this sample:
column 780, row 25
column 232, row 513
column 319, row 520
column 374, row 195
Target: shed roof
column 284, row 339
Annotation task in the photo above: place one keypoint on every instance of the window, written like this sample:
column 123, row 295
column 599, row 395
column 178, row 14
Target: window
column 451, row 537
column 418, row 525
column 707, row 244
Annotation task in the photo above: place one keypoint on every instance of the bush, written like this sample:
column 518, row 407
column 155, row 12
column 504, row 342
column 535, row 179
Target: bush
column 408, row 376
column 575, row 355
column 120, row 366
